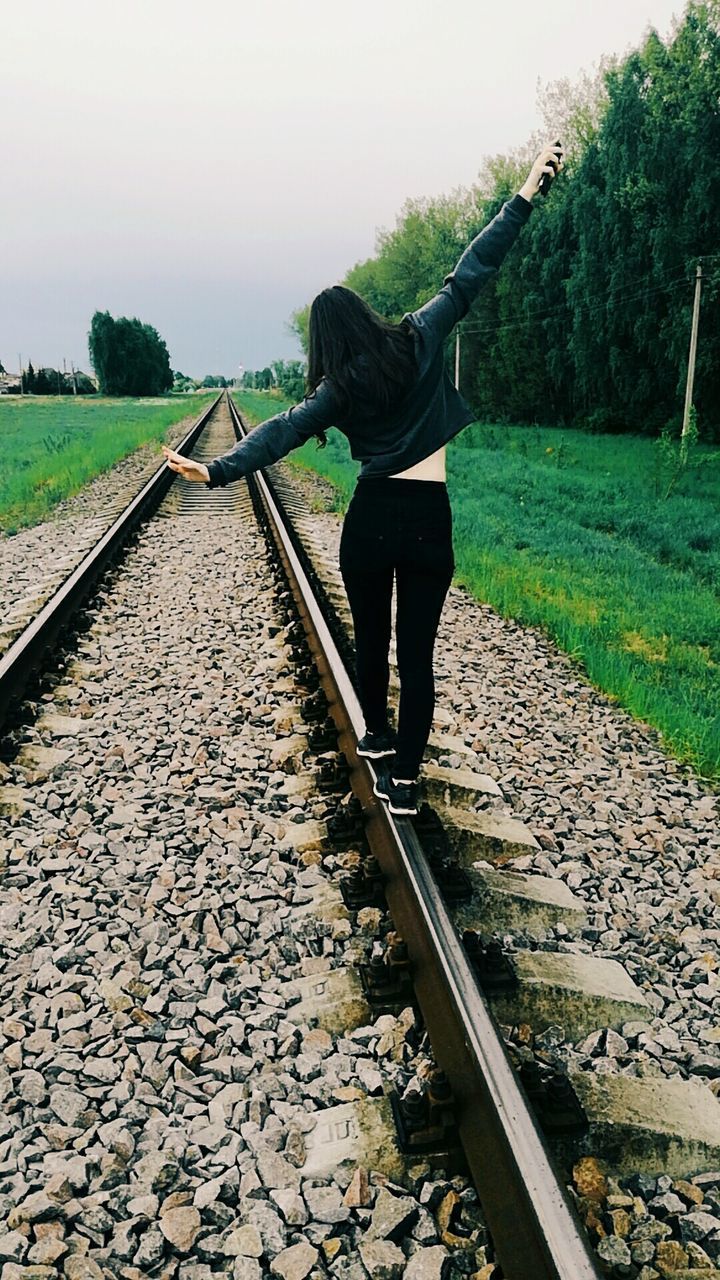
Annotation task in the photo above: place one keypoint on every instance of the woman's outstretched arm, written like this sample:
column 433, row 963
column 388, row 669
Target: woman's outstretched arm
column 483, row 256
column 266, row 443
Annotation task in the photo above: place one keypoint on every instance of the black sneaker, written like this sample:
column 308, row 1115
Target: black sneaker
column 382, row 782
column 375, row 745
column 402, row 797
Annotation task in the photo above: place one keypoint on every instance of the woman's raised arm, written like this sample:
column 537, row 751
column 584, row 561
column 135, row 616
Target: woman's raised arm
column 483, row 256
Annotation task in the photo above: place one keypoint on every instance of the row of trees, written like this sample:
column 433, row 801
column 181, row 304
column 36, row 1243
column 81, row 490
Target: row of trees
column 50, row 382
column 183, row 382
column 130, row 359
column 588, row 320
column 55, row 382
column 287, row 375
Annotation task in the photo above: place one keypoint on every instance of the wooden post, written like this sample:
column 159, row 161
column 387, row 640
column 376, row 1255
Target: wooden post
column 693, row 352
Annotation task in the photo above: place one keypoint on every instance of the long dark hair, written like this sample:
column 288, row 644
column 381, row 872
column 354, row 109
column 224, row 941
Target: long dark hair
column 344, row 330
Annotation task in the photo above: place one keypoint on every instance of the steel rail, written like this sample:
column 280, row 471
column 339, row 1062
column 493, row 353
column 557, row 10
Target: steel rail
column 26, row 654
column 533, row 1224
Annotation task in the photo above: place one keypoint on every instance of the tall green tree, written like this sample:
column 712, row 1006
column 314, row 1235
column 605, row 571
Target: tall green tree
column 588, row 321
column 129, row 357
column 289, row 376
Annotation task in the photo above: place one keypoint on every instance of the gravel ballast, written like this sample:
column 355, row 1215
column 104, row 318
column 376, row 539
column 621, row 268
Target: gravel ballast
column 158, row 1102
column 35, row 561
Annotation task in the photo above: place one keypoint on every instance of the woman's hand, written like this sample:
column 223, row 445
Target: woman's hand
column 547, row 162
column 186, row 466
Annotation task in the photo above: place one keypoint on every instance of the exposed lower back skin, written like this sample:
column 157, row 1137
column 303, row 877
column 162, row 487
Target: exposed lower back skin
column 430, row 468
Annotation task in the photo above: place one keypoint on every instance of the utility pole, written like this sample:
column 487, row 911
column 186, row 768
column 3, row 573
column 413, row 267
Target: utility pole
column 693, row 352
column 74, row 378
column 22, row 380
column 457, row 359
column 58, row 374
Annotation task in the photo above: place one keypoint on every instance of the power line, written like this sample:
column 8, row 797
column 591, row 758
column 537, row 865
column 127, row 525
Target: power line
column 600, row 299
column 590, row 305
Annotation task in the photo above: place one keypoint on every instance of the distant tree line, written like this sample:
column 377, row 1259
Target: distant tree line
column 182, row 381
column 588, row 321
column 288, row 376
column 47, row 381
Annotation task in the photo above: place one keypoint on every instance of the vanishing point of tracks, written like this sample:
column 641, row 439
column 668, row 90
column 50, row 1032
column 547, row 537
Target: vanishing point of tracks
column 471, row 1106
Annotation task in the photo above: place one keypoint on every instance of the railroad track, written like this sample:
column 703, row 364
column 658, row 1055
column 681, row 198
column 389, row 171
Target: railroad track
column 35, row 561
column 534, row 1227
column 27, row 653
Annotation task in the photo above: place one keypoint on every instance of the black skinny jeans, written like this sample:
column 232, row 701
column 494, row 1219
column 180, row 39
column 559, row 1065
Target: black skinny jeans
column 403, row 528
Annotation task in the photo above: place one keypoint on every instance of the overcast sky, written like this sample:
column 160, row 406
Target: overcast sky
column 209, row 167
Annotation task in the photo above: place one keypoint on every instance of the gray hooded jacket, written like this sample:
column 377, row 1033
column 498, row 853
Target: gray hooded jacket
column 429, row 415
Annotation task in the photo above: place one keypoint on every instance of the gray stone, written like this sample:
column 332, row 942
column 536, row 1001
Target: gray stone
column 47, row 1251
column 296, row 1262
column 30, row 1086
column 180, row 1226
column 246, row 1269
column 68, row 1104
column 207, row 1193
column 13, row 1246
column 106, row 1070
column 79, row 1267
column 326, row 1204
column 157, row 1170
column 221, row 1107
column 424, row 1231
column 698, row 1225
column 124, row 1240
column 614, row 1251
column 243, row 1242
column 383, row 1259
column 291, row 1205
column 428, row 1264
column 150, row 1248
column 195, row 1271
column 649, row 1228
column 392, row 1218
column 276, row 1172
column 268, row 1223
column 144, row 1206
column 667, row 1205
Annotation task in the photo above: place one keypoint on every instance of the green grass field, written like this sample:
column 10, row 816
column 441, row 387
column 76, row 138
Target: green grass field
column 52, row 446
column 565, row 530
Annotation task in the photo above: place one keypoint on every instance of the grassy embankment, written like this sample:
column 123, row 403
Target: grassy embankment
column 563, row 530
column 52, row 446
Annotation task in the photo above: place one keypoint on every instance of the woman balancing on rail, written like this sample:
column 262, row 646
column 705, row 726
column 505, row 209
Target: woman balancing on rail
column 385, row 387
